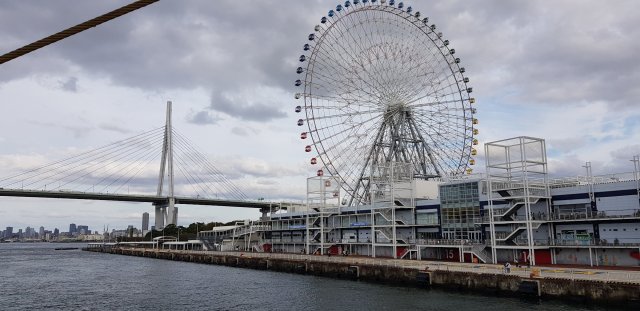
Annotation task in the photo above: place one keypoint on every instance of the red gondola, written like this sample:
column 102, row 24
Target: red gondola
column 320, row 173
column 307, row 148
column 303, row 135
column 314, row 161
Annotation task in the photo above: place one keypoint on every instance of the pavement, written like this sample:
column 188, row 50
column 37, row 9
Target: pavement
column 618, row 274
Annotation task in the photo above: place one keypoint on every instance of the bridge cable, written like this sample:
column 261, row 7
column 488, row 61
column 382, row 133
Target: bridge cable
column 205, row 163
column 74, row 30
column 81, row 155
column 89, row 157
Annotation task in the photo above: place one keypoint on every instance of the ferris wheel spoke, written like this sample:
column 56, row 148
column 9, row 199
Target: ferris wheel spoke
column 340, row 133
column 332, row 86
column 354, row 59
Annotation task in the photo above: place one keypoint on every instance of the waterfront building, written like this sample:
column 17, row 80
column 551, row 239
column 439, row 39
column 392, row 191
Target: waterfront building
column 72, row 229
column 513, row 212
column 8, row 233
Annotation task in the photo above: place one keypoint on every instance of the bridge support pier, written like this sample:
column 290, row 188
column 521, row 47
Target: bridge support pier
column 161, row 212
column 167, row 213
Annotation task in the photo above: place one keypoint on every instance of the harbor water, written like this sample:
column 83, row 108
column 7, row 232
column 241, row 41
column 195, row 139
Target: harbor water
column 35, row 276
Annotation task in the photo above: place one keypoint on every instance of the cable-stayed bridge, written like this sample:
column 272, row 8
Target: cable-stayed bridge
column 127, row 171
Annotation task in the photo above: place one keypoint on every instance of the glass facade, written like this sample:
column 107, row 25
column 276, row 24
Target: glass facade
column 460, row 209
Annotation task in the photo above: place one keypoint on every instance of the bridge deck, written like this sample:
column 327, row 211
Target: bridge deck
column 154, row 199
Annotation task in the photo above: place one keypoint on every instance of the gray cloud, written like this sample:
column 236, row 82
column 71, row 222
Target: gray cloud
column 239, row 131
column 114, row 128
column 202, row 118
column 569, row 52
column 71, row 85
column 246, row 109
column 76, row 130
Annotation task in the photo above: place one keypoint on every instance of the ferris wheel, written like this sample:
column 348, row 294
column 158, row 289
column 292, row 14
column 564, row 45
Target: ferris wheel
column 379, row 84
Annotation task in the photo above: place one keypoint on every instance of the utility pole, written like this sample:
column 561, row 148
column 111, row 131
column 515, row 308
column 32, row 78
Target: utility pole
column 636, row 164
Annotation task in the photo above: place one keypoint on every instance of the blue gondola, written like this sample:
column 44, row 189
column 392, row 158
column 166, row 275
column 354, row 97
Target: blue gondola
column 339, row 7
column 303, row 58
column 392, row 2
column 462, row 70
column 409, row 9
column 452, row 51
column 417, row 14
column 433, row 27
column 298, row 82
column 306, row 47
column 356, row 2
column 299, row 70
column 312, row 37
column 298, row 108
column 323, row 19
column 469, row 89
column 465, row 80
column 300, row 122
column 347, row 4
column 425, row 20
column 457, row 60
column 400, row 5
column 331, row 13
column 445, row 42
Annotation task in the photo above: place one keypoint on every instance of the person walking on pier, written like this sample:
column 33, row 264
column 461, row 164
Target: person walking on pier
column 507, row 267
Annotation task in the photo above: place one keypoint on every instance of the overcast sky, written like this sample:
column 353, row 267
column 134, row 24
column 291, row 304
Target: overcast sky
column 566, row 71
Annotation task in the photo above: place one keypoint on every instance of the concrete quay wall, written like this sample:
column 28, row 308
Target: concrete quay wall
column 601, row 292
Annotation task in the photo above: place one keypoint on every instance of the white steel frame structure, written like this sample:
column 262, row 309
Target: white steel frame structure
column 517, row 173
column 323, row 200
column 392, row 187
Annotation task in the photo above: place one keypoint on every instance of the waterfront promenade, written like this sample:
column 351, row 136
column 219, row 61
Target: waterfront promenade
column 613, row 274
column 569, row 273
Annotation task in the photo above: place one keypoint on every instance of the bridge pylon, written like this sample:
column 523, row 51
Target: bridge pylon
column 167, row 212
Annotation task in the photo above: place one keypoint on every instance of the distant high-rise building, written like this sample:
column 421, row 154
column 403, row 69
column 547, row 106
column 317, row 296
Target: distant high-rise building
column 56, row 232
column 145, row 222
column 82, row 229
column 72, row 229
column 41, row 232
column 8, row 233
